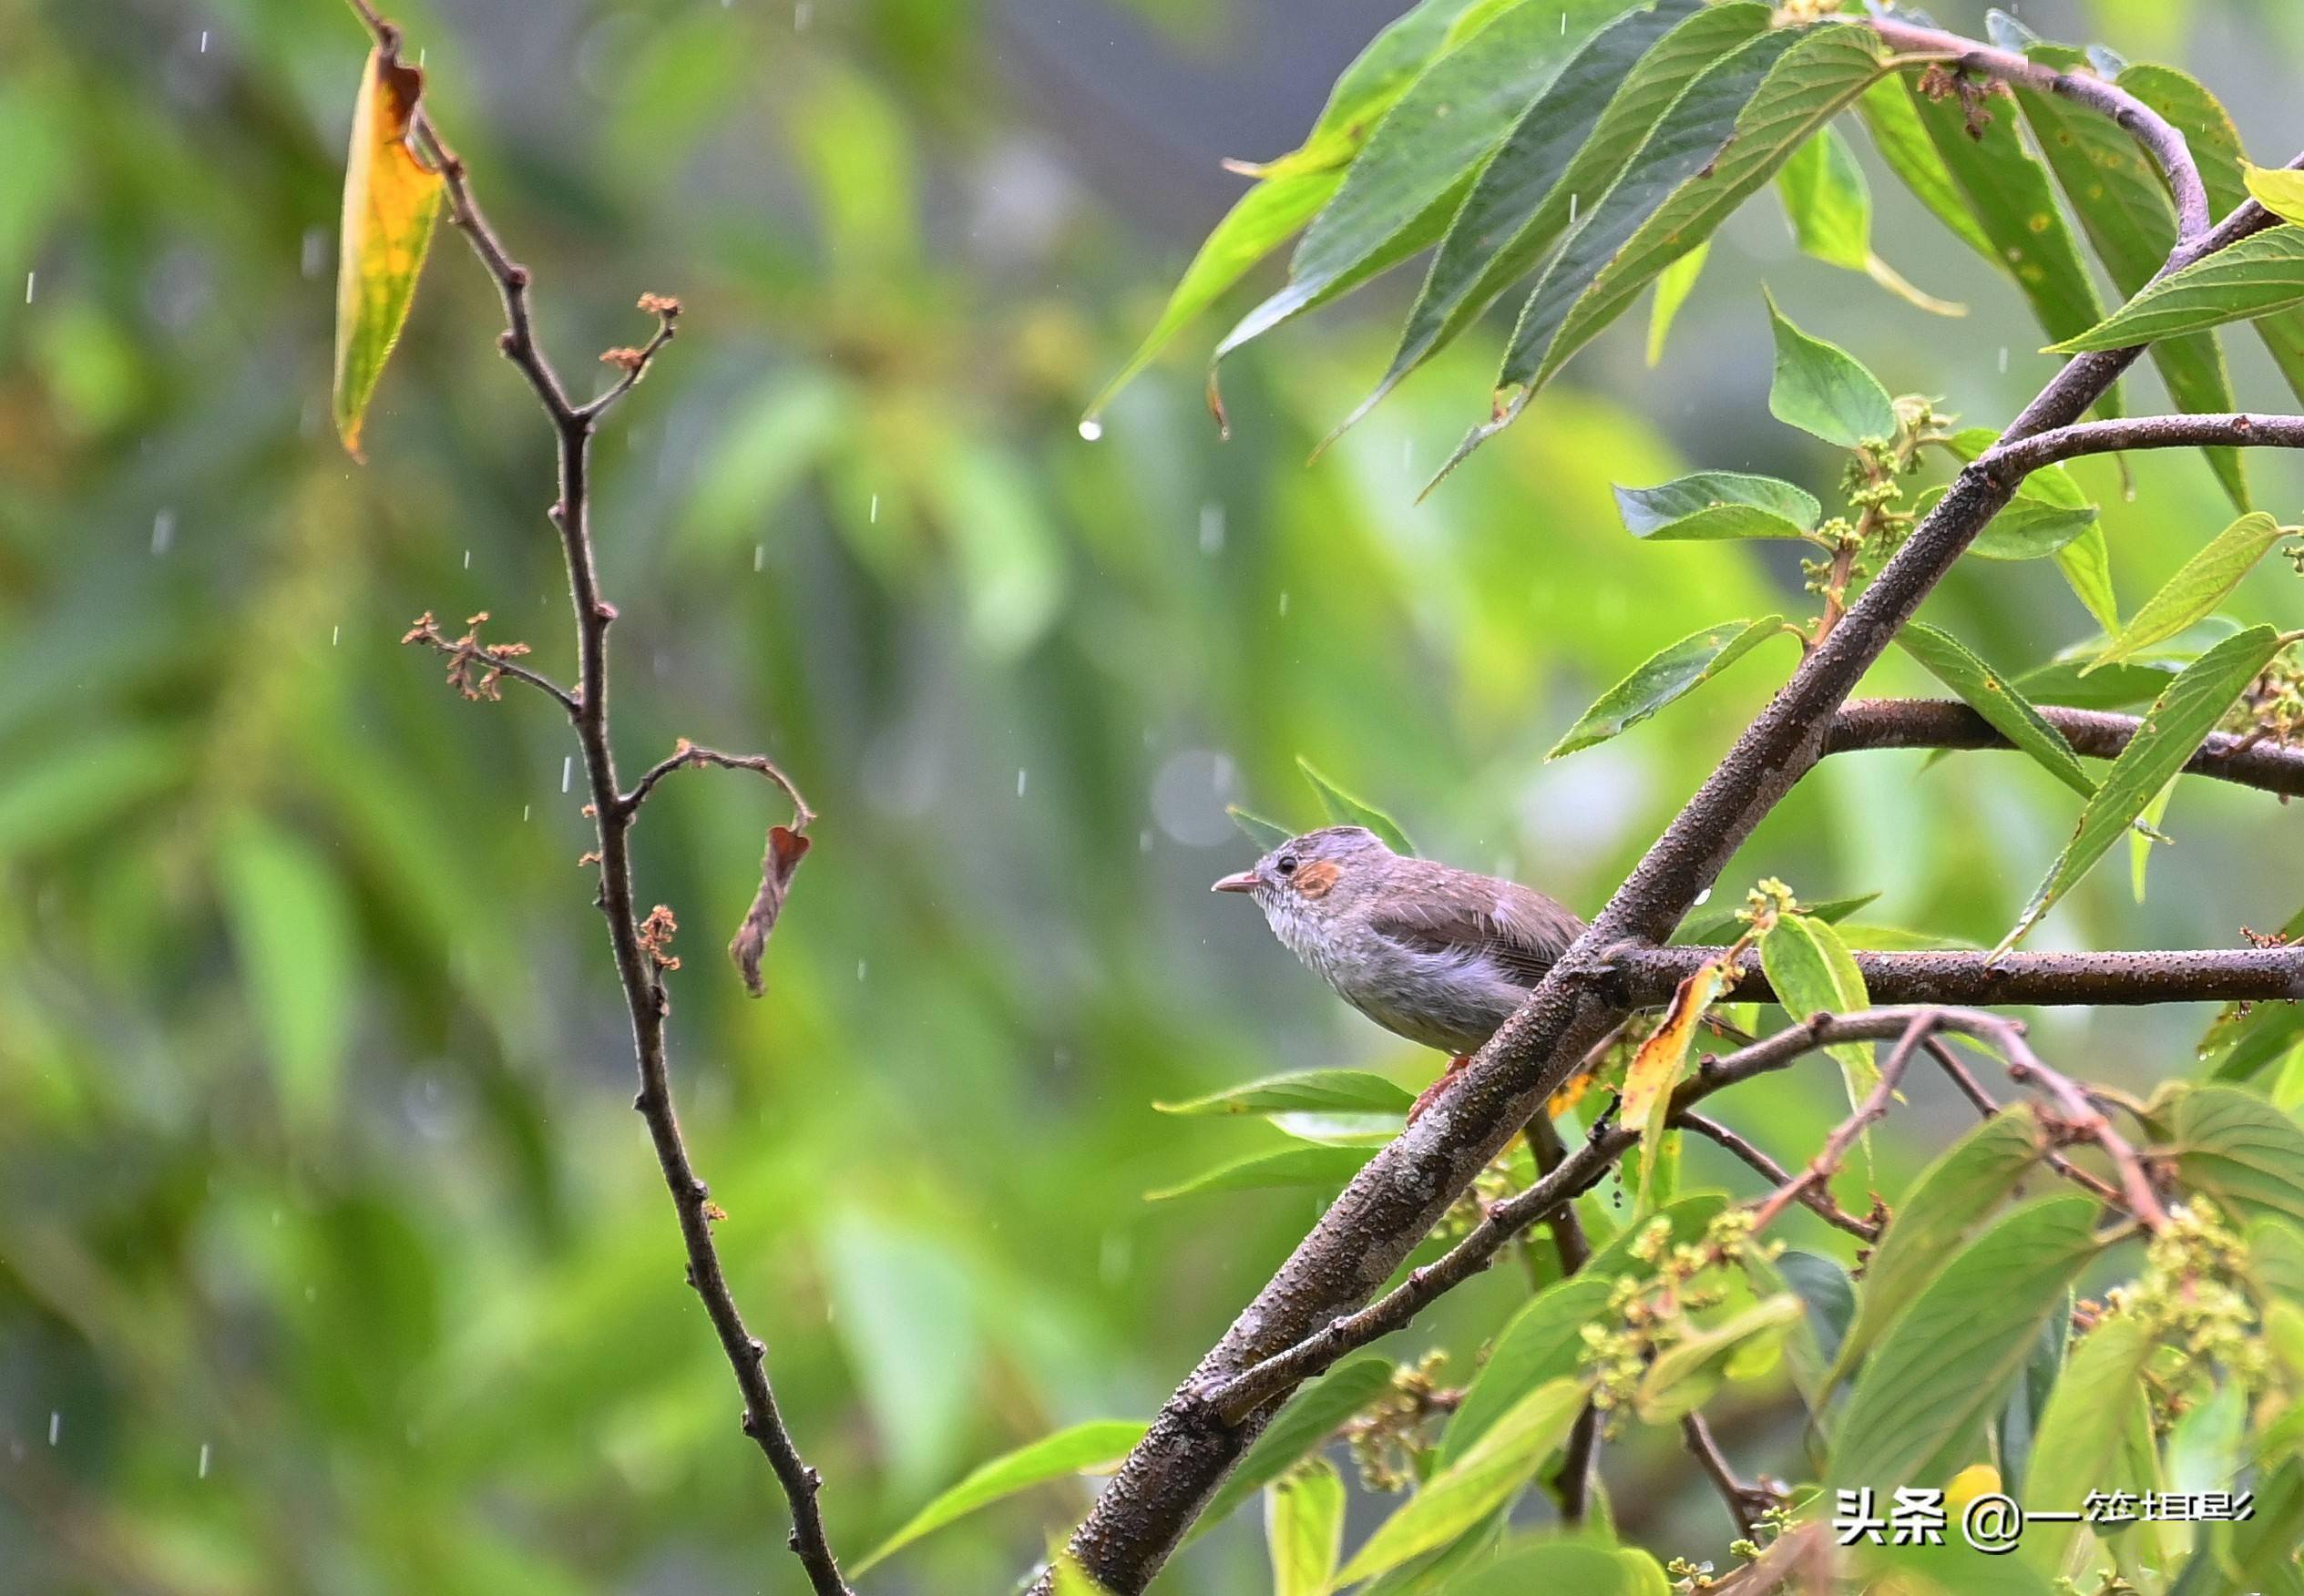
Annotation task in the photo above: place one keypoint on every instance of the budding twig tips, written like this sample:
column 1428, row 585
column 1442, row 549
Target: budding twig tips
column 660, row 304
column 515, row 274
column 624, row 357
column 656, row 933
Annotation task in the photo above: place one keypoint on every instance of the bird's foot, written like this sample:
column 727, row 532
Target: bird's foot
column 1431, row 1094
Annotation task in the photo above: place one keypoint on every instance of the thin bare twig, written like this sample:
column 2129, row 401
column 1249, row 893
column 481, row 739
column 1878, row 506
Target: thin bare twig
column 1747, row 1503
column 640, row 950
column 687, row 754
column 1817, row 1200
column 1818, row 1176
column 1974, row 1090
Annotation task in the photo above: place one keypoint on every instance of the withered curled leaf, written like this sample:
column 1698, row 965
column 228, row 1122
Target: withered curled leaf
column 390, row 201
column 786, row 847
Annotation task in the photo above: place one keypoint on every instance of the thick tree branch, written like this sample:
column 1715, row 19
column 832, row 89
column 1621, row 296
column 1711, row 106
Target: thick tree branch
column 2234, row 430
column 1397, row 1197
column 1871, row 723
column 640, row 950
column 1641, row 977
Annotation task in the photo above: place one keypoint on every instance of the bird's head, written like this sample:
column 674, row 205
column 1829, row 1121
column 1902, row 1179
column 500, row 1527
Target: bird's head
column 1316, row 877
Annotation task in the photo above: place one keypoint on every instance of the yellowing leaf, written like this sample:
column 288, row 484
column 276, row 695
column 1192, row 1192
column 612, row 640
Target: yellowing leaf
column 1656, row 1069
column 390, row 201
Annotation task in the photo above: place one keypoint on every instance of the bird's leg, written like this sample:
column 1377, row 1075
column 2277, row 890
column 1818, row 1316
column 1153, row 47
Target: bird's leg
column 1431, row 1094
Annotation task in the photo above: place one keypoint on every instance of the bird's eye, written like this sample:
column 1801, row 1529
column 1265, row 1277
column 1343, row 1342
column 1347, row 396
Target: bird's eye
column 1285, row 864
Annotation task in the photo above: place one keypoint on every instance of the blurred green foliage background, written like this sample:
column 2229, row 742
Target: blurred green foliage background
column 331, row 1258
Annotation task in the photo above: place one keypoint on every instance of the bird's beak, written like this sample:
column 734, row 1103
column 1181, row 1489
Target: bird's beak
column 1243, row 881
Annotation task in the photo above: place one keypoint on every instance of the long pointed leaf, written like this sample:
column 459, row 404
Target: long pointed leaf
column 1668, row 674
column 2122, row 206
column 1907, row 151
column 2199, row 584
column 1992, row 696
column 2259, row 276
column 1410, row 179
column 1568, row 147
column 2172, row 729
column 1094, row 1444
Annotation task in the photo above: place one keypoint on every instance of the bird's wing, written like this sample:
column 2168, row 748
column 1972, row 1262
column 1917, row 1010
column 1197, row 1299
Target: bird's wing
column 1521, row 929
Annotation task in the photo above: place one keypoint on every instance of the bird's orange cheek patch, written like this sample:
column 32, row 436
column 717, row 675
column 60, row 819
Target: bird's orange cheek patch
column 1315, row 879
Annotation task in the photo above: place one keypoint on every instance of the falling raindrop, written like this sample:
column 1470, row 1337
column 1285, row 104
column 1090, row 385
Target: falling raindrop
column 203, row 51
column 204, row 1444
column 1212, row 528
column 1020, row 777
column 567, row 770
column 1573, row 201
column 315, row 252
column 335, row 637
column 55, row 1426
column 800, row 15
column 163, row 531
column 875, row 509
column 524, row 813
column 1144, row 840
column 1283, row 603
column 859, row 969
column 1091, row 429
column 30, row 278
column 2004, row 359
column 759, row 556
column 467, row 560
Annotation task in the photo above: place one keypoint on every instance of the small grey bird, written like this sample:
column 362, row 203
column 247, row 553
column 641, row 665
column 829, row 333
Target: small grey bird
column 1440, row 956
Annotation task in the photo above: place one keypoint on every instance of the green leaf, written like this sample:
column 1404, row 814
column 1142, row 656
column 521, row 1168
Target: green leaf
column 2215, row 144
column 1709, row 505
column 2011, row 197
column 1828, row 204
column 2016, row 1428
column 1490, row 1473
column 1690, row 1372
column 1948, row 1360
column 1567, row 147
column 2261, row 274
column 2242, row 1150
column 1343, row 809
column 1541, row 1343
column 1571, row 1568
column 1906, row 149
column 1943, row 1208
column 2006, row 710
column 2079, row 684
column 1668, row 674
column 2202, row 583
column 296, row 946
column 1828, row 1303
column 1345, row 1092
column 1727, row 135
column 2141, row 837
column 1824, row 391
column 2084, row 1431
column 2122, row 206
column 1419, row 164
column 391, row 201
column 1097, row 1444
column 1725, row 927
column 1814, row 973
column 1316, row 1414
column 1293, row 188
column 1675, row 283
column 1324, row 1168
column 1303, row 1530
column 2086, row 564
column 2032, row 528
column 903, row 1306
column 2171, row 731
column 1264, row 834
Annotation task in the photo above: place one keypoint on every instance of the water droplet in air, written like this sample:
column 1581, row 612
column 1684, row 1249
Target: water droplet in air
column 567, row 770
column 204, row 1444
column 875, row 509
column 859, row 969
column 203, row 51
column 1283, row 603
column 55, row 1426
column 1020, row 777
column 1212, row 528
column 467, row 560
column 335, row 637
column 315, row 252
column 163, row 531
column 2004, row 359
column 759, row 556
column 30, row 279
